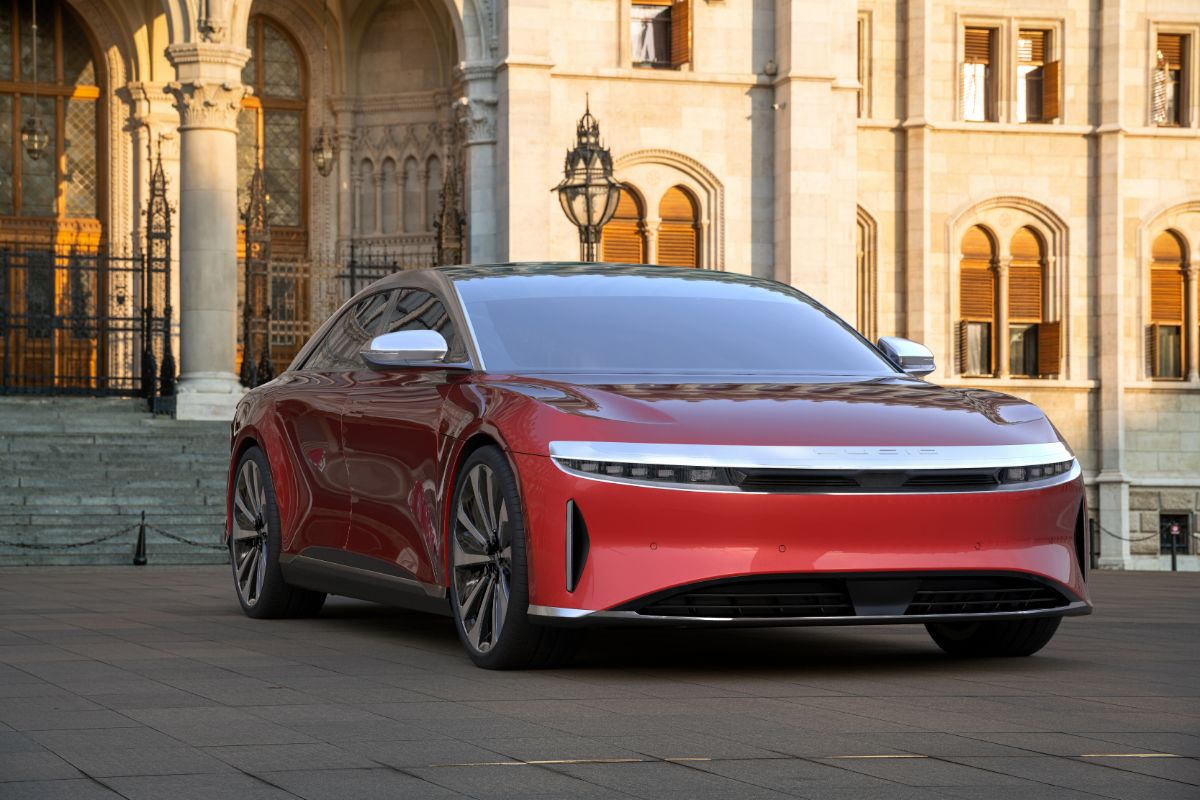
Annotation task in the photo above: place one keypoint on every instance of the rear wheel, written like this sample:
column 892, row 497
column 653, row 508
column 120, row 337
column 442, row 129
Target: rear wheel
column 1002, row 638
column 255, row 544
column 489, row 565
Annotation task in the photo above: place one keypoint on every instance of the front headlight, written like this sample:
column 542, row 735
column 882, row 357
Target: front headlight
column 1035, row 473
column 655, row 473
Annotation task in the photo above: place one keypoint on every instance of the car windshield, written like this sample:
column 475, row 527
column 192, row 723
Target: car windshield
column 623, row 323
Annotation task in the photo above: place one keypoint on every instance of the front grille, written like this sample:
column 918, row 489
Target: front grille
column 808, row 480
column 984, row 595
column 794, row 597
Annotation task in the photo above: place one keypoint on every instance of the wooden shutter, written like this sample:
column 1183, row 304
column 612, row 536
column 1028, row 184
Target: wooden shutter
column 677, row 232
column 1049, row 348
column 1166, row 295
column 1025, row 278
column 622, row 241
column 1166, row 250
column 1036, row 49
column 977, row 285
column 681, row 33
column 960, row 348
column 977, row 47
column 1152, row 350
column 1171, row 46
column 1051, row 90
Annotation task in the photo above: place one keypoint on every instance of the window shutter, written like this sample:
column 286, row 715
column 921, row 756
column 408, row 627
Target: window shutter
column 1031, row 47
column 978, row 300
column 977, row 48
column 1166, row 295
column 961, row 347
column 1171, row 46
column 622, row 241
column 681, row 33
column 1051, row 91
column 677, row 233
column 1049, row 348
column 1152, row 350
column 1024, row 292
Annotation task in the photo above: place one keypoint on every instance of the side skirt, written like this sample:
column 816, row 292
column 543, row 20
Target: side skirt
column 326, row 569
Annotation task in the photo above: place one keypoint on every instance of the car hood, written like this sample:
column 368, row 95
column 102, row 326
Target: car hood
column 818, row 411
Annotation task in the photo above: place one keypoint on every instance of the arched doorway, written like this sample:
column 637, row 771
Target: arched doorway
column 55, row 276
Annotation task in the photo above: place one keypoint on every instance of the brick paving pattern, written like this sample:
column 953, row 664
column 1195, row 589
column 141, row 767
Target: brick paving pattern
column 150, row 683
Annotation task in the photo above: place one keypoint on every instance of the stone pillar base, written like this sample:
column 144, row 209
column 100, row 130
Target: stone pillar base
column 207, row 396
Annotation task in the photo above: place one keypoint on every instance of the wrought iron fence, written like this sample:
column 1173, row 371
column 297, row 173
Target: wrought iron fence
column 82, row 321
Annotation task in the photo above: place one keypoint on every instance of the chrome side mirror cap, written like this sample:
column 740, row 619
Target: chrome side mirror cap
column 405, row 348
column 911, row 357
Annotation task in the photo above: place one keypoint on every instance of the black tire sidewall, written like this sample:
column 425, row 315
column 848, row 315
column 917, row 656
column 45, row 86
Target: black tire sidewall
column 518, row 638
column 273, row 601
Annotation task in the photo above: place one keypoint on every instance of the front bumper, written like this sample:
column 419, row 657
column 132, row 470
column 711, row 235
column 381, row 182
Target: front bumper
column 644, row 540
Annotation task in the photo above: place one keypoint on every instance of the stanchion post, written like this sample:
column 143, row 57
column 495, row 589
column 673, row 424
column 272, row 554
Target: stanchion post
column 1094, row 536
column 139, row 550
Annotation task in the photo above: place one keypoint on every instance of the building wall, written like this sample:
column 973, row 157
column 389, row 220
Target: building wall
column 761, row 127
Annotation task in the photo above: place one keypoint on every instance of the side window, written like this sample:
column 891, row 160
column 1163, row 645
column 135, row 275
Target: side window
column 418, row 310
column 338, row 351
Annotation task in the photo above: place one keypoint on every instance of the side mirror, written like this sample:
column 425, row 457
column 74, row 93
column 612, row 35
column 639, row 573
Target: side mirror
column 911, row 357
column 402, row 348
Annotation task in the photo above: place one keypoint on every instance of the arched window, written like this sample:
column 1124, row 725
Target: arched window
column 272, row 131
column 977, row 302
column 433, row 190
column 412, row 196
column 1165, row 336
column 368, row 218
column 623, row 239
column 678, row 231
column 388, row 208
column 1026, row 273
column 67, row 181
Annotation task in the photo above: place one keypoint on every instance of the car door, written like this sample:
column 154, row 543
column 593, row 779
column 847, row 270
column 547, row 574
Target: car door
column 310, row 402
column 393, row 431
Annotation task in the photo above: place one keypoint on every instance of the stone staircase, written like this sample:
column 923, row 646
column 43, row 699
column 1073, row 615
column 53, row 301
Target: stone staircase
column 74, row 469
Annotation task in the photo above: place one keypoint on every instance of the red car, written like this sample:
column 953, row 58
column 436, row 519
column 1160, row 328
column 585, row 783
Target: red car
column 538, row 448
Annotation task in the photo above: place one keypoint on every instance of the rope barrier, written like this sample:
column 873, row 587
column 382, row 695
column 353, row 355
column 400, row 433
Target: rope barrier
column 139, row 557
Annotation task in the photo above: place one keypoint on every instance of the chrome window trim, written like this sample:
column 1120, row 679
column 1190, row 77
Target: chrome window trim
column 824, row 458
column 474, row 344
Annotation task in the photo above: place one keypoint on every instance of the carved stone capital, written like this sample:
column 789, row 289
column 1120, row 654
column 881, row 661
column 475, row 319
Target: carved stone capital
column 476, row 117
column 207, row 105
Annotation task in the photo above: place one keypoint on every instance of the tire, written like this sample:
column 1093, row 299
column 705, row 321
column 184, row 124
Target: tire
column 255, row 543
column 1000, row 639
column 488, row 555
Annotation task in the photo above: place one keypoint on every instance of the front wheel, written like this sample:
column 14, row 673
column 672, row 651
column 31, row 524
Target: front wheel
column 255, row 543
column 998, row 639
column 489, row 571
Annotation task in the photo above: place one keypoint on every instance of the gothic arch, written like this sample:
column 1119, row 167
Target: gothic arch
column 656, row 171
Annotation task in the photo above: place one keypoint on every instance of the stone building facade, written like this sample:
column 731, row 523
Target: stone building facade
column 1016, row 184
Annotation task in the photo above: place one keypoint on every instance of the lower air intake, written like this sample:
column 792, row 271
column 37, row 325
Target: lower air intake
column 983, row 595
column 758, row 599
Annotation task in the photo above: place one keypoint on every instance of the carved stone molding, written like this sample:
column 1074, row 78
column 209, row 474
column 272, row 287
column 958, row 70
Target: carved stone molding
column 207, row 105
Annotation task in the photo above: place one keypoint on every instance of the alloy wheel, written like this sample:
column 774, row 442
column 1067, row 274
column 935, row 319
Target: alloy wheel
column 248, row 542
column 482, row 556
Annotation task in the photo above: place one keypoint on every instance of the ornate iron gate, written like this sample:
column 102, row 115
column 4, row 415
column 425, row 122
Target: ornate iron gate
column 82, row 320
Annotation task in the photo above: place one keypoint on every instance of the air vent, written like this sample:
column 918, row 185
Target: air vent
column 984, row 595
column 578, row 544
column 807, row 480
column 795, row 597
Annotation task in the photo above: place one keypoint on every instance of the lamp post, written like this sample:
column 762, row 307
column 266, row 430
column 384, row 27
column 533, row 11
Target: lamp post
column 324, row 149
column 34, row 136
column 588, row 192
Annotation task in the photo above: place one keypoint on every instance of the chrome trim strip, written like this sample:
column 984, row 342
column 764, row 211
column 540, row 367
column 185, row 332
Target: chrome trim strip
column 580, row 615
column 794, row 457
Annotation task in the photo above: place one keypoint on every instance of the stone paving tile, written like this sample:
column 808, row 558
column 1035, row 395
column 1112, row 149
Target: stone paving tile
column 34, row 765
column 358, row 784
column 214, row 786
column 80, row 789
column 668, row 781
column 280, row 757
column 425, row 753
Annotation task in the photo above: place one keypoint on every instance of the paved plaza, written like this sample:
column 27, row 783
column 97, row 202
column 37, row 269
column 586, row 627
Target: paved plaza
column 150, row 684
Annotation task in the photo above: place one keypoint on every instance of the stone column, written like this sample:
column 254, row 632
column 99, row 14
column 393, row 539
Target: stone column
column 346, row 189
column 208, row 96
column 1000, row 368
column 651, row 225
column 423, row 223
column 1191, row 278
column 377, row 179
column 476, row 117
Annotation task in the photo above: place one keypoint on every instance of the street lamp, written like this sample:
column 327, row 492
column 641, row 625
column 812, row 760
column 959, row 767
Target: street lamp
column 323, row 152
column 588, row 192
column 34, row 136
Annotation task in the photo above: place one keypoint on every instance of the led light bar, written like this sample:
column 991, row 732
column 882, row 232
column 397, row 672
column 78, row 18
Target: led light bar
column 660, row 473
column 1035, row 473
